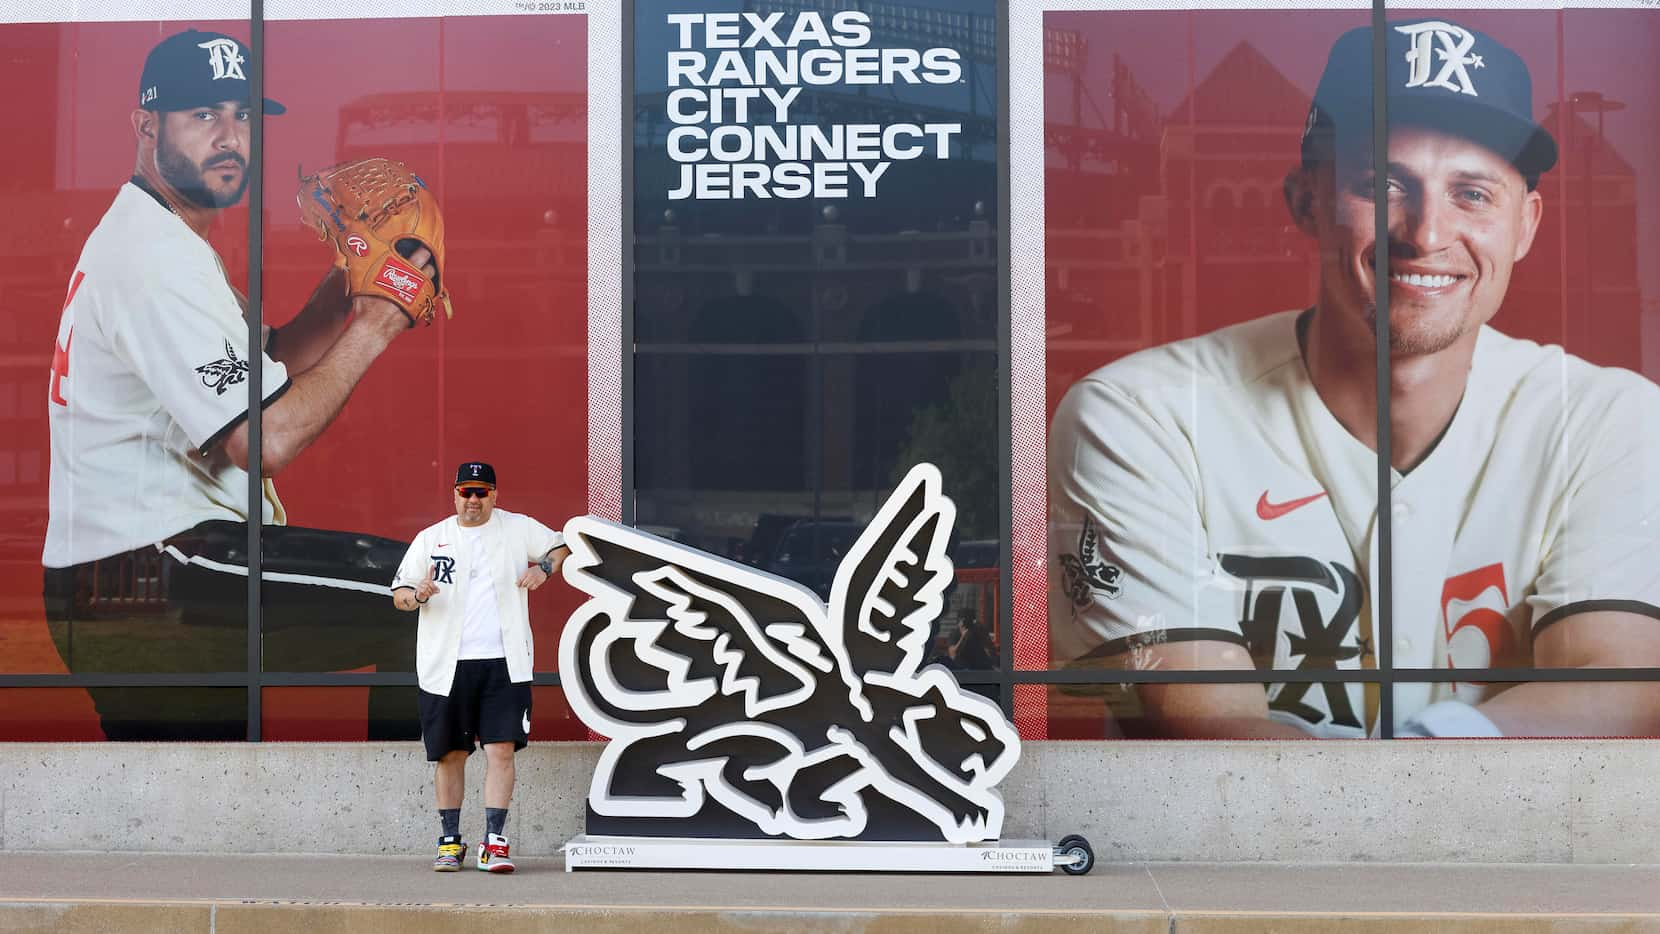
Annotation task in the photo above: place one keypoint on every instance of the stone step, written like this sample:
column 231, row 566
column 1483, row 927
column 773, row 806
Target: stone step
column 87, row 892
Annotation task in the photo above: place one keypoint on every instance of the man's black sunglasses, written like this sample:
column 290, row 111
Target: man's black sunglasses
column 471, row 491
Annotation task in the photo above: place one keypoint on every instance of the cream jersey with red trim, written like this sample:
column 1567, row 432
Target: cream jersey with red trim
column 1202, row 491
column 149, row 374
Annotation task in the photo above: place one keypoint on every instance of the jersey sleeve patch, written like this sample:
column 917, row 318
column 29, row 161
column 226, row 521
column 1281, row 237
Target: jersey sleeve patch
column 224, row 373
column 181, row 330
column 1085, row 571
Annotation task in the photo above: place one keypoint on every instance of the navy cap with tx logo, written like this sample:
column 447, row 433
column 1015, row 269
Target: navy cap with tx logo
column 1440, row 75
column 475, row 472
column 197, row 69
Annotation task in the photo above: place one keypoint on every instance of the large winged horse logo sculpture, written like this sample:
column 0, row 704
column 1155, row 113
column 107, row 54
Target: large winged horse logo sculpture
column 739, row 704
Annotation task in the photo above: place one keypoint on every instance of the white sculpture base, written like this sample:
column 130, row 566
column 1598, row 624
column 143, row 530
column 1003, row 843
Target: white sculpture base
column 591, row 852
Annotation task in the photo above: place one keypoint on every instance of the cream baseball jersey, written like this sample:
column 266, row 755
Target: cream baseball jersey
column 1202, row 491
column 509, row 541
column 148, row 376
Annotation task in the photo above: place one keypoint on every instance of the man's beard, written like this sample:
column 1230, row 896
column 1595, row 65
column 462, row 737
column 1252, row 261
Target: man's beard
column 1414, row 342
column 188, row 178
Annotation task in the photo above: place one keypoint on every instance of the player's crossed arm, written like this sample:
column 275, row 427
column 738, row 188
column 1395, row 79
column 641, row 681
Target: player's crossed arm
column 1203, row 711
column 1595, row 639
column 298, row 417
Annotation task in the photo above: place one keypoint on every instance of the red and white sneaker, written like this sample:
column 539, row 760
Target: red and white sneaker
column 492, row 854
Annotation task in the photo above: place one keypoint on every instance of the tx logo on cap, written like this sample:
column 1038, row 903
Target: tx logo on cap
column 224, row 58
column 1455, row 44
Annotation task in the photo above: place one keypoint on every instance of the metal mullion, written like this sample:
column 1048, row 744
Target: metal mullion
column 1383, row 611
column 360, row 679
column 205, row 679
column 625, row 413
column 982, row 676
column 1347, row 675
column 1519, row 675
column 292, row 679
column 1005, row 385
column 256, row 356
column 803, row 348
column 1232, row 676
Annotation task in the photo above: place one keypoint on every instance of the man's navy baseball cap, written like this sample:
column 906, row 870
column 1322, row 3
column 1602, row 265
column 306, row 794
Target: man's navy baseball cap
column 197, row 69
column 475, row 473
column 1440, row 75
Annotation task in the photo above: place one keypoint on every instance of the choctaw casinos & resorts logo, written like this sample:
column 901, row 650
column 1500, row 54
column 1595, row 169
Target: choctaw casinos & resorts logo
column 740, row 705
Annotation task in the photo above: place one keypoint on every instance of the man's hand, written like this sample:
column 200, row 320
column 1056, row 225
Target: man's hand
column 532, row 578
column 410, row 598
column 426, row 588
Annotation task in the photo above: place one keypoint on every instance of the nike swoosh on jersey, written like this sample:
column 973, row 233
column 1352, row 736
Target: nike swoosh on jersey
column 1267, row 510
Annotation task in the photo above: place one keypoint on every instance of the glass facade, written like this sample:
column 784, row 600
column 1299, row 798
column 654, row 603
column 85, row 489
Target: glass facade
column 1123, row 275
column 1271, row 474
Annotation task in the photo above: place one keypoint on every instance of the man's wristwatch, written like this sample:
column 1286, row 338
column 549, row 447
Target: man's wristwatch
column 546, row 565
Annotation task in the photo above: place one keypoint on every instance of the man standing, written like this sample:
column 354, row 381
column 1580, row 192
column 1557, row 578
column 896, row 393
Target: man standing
column 470, row 577
column 1214, row 501
column 146, row 544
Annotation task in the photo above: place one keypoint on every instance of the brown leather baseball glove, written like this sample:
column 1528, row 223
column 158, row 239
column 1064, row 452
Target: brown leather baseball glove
column 376, row 212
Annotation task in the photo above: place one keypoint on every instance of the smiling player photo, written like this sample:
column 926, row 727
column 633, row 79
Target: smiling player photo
column 1214, row 501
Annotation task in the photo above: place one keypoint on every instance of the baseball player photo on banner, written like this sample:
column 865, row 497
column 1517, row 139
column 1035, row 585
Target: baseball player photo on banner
column 1209, row 411
column 127, row 237
column 474, row 146
column 447, row 324
column 1527, row 534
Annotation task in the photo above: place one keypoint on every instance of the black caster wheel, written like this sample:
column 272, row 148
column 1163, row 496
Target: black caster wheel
column 1082, row 856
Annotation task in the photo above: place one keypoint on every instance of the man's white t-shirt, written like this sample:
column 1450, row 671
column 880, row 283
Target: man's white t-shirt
column 149, row 375
column 481, row 626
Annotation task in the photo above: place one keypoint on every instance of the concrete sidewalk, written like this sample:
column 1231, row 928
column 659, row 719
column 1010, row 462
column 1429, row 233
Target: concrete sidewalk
column 187, row 893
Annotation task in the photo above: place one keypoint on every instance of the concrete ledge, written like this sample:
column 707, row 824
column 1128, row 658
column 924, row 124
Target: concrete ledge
column 235, row 917
column 401, row 895
column 99, row 917
column 1506, row 801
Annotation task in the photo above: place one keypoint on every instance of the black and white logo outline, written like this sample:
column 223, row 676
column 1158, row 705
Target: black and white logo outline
column 718, row 682
column 1087, row 571
column 222, row 374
